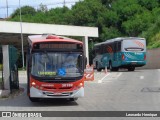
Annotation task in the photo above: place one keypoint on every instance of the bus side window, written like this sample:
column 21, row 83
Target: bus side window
column 112, row 47
column 101, row 49
column 98, row 50
column 109, row 48
column 118, row 46
column 115, row 46
column 104, row 48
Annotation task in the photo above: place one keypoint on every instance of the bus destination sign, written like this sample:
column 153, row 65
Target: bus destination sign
column 57, row 46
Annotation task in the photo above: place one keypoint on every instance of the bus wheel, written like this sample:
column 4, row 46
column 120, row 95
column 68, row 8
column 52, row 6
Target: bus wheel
column 115, row 69
column 73, row 99
column 131, row 69
column 34, row 99
column 98, row 69
column 110, row 66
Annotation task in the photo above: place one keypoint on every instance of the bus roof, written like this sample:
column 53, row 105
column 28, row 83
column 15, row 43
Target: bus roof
column 119, row 39
column 49, row 38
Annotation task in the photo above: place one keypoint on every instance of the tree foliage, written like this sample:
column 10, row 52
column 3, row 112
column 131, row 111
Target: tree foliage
column 114, row 18
column 26, row 10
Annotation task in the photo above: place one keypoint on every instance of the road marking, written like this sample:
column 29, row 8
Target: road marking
column 100, row 81
column 141, row 77
column 119, row 75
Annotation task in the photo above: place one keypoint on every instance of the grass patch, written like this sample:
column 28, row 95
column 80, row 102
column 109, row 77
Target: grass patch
column 1, row 66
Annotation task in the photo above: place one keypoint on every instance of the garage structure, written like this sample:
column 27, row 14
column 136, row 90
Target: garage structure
column 10, row 32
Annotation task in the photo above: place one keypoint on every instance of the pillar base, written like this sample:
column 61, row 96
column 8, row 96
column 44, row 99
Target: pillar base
column 4, row 93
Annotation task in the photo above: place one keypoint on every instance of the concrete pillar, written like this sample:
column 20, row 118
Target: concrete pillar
column 86, row 51
column 6, row 68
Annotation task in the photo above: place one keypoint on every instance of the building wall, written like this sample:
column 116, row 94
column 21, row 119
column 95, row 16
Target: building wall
column 153, row 59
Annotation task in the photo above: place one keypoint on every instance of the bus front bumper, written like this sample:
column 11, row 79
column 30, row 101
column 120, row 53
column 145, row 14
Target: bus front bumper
column 36, row 93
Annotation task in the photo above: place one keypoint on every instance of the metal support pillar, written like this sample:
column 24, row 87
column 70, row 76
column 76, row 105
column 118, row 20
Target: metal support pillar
column 6, row 68
column 86, row 51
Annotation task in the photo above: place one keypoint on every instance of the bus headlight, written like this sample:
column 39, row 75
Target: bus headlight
column 33, row 83
column 80, row 85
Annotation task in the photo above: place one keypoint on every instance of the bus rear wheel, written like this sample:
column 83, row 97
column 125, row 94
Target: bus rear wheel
column 34, row 99
column 110, row 66
column 113, row 68
column 131, row 69
column 73, row 99
column 97, row 67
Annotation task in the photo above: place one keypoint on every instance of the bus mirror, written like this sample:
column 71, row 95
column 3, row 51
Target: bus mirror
column 80, row 58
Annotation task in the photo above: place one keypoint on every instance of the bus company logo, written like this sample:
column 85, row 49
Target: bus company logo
column 109, row 49
column 6, row 114
column 139, row 43
column 21, row 114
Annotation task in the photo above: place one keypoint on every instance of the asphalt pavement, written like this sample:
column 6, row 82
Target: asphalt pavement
column 114, row 91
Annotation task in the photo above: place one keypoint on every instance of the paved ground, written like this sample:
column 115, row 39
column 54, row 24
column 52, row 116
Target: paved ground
column 116, row 91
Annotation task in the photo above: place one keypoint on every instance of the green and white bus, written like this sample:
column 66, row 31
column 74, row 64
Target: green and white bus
column 127, row 52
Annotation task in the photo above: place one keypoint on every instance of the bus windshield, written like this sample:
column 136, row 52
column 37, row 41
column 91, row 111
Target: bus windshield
column 53, row 64
column 134, row 45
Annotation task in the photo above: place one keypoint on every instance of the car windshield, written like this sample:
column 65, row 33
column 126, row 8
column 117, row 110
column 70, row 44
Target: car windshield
column 56, row 64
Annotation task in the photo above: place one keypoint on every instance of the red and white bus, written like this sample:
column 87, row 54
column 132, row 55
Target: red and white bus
column 55, row 67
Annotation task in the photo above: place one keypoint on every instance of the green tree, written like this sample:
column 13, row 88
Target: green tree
column 42, row 8
column 59, row 15
column 154, row 41
column 152, row 34
column 108, row 33
column 137, row 24
column 126, row 8
column 26, row 10
column 149, row 4
column 107, row 3
column 86, row 12
column 114, row 18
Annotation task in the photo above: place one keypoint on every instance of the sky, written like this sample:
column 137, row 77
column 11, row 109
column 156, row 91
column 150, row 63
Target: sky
column 14, row 4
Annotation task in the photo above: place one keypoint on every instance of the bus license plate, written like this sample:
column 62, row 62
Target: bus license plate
column 133, row 63
column 58, row 93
